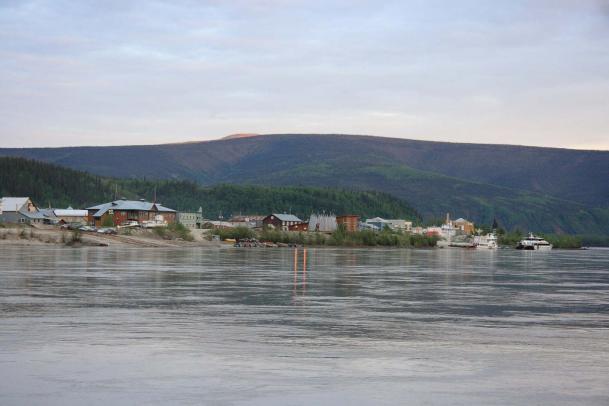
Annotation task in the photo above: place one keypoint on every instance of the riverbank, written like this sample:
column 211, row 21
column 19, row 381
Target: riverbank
column 26, row 235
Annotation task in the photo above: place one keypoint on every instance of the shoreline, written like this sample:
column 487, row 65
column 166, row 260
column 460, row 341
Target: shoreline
column 31, row 236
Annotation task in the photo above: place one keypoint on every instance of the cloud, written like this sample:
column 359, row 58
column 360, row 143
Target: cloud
column 83, row 73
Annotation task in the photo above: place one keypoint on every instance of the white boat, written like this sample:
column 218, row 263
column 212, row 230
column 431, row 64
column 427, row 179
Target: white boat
column 486, row 241
column 534, row 243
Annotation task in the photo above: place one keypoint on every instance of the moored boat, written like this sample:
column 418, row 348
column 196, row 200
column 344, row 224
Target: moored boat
column 534, row 243
column 486, row 241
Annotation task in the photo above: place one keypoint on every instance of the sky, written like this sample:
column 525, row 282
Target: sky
column 143, row 72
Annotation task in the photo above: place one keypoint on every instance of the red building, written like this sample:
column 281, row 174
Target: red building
column 280, row 221
column 299, row 227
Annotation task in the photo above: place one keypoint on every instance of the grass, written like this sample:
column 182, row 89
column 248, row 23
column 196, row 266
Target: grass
column 339, row 238
column 174, row 231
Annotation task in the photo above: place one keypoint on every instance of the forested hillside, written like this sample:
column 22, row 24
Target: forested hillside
column 574, row 175
column 304, row 189
column 53, row 185
column 543, row 189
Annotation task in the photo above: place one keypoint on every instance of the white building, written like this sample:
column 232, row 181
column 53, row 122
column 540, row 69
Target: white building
column 325, row 223
column 393, row 224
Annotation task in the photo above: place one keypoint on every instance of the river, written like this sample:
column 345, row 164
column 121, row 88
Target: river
column 231, row 326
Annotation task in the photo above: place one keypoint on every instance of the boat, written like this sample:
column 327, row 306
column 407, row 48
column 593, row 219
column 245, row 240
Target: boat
column 534, row 243
column 486, row 241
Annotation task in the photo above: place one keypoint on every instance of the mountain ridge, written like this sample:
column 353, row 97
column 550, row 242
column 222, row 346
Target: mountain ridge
column 481, row 181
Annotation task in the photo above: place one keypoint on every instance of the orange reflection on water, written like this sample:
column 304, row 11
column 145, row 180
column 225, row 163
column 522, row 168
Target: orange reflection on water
column 303, row 284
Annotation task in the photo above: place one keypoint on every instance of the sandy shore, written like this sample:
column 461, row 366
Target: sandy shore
column 56, row 236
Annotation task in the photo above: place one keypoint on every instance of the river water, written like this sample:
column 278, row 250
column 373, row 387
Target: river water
column 274, row 327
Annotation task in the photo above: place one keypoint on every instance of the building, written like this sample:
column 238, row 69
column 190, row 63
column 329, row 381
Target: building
column 435, row 231
column 456, row 227
column 122, row 211
column 19, row 210
column 192, row 219
column 350, row 221
column 393, row 224
column 465, row 226
column 69, row 215
column 364, row 226
column 280, row 221
column 217, row 225
column 399, row 225
column 249, row 221
column 324, row 223
column 300, row 227
column 378, row 223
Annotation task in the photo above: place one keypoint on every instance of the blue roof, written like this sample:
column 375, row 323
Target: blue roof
column 128, row 205
column 41, row 214
column 287, row 217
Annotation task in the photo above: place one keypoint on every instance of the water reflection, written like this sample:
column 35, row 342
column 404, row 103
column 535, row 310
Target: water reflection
column 408, row 320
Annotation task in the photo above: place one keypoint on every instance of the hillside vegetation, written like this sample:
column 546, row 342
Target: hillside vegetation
column 541, row 189
column 53, row 185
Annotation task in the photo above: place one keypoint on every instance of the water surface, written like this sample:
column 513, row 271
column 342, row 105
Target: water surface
column 268, row 327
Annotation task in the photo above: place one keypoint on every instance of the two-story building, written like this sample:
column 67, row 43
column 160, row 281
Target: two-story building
column 280, row 221
column 21, row 210
column 192, row 219
column 123, row 211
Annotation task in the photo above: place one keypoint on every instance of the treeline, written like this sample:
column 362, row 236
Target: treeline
column 49, row 184
column 56, row 186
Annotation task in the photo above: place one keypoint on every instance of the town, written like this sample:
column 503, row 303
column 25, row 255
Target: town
column 122, row 217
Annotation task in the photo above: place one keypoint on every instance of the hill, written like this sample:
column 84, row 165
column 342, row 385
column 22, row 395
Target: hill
column 546, row 189
column 49, row 184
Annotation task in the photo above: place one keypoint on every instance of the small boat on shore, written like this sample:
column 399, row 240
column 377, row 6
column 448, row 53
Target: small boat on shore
column 534, row 243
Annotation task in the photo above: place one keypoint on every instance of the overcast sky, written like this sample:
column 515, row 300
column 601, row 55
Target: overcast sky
column 140, row 72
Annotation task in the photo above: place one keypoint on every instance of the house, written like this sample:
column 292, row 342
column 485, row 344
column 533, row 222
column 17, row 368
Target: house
column 464, row 225
column 19, row 210
column 69, row 215
column 300, row 227
column 249, row 221
column 378, row 223
column 191, row 220
column 280, row 221
column 324, row 223
column 459, row 226
column 392, row 224
column 121, row 211
column 350, row 221
column 399, row 225
column 217, row 225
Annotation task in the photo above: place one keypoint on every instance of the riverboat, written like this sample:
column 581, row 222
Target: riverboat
column 486, row 241
column 534, row 243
